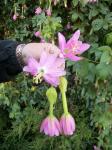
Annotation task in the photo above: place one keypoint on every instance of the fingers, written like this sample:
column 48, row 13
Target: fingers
column 51, row 49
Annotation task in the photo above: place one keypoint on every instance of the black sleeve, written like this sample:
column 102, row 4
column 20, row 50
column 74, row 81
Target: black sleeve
column 9, row 65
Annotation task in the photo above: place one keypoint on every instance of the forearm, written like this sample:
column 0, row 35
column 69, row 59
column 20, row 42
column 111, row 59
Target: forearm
column 9, row 65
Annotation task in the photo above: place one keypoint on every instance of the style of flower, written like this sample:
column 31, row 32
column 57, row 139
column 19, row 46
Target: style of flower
column 73, row 47
column 38, row 10
column 37, row 33
column 67, row 124
column 14, row 17
column 48, row 68
column 50, row 126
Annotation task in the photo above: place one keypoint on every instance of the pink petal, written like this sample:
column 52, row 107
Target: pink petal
column 43, row 58
column 51, row 80
column 50, row 61
column 73, row 57
column 84, row 47
column 32, row 66
column 61, row 41
column 75, row 37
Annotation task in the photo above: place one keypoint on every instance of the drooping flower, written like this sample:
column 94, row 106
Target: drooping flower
column 48, row 12
column 96, row 148
column 37, row 33
column 73, row 47
column 92, row 1
column 89, row 1
column 50, row 126
column 67, row 124
column 68, row 26
column 38, row 10
column 55, row 2
column 48, row 68
column 14, row 17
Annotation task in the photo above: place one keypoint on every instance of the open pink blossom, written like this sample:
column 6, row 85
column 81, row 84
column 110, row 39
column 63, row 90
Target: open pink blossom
column 67, row 124
column 73, row 47
column 50, row 126
column 48, row 68
column 38, row 10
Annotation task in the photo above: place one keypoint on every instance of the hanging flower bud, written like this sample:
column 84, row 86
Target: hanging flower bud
column 14, row 17
column 51, row 95
column 48, row 12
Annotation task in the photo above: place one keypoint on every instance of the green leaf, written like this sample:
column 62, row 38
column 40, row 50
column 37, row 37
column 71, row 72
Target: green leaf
column 109, row 39
column 104, row 48
column 105, row 57
column 97, row 24
column 103, row 71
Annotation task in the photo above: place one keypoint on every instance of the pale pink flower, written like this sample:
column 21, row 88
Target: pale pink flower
column 50, row 126
column 67, row 124
column 92, row 1
column 72, row 47
column 14, row 17
column 55, row 2
column 37, row 33
column 68, row 26
column 96, row 148
column 38, row 10
column 48, row 11
column 42, row 40
column 48, row 68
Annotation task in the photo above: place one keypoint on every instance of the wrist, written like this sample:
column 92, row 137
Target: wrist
column 19, row 54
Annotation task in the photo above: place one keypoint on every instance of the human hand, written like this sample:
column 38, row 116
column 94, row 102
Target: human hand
column 35, row 49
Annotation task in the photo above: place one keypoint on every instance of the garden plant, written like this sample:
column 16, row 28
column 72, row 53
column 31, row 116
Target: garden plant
column 64, row 102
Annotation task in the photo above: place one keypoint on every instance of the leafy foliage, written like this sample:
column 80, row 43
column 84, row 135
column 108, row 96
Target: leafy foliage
column 23, row 105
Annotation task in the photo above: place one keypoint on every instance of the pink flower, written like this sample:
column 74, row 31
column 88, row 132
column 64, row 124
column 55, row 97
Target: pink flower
column 48, row 68
column 72, row 47
column 92, row 1
column 38, row 10
column 48, row 11
column 50, row 126
column 37, row 34
column 55, row 2
column 14, row 17
column 42, row 40
column 67, row 124
column 68, row 25
column 96, row 148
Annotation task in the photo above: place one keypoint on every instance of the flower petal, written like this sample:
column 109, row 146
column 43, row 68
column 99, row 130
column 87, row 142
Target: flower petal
column 73, row 57
column 51, row 80
column 62, row 41
column 84, row 47
column 75, row 37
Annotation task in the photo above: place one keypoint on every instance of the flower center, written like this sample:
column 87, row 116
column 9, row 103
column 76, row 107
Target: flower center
column 39, row 77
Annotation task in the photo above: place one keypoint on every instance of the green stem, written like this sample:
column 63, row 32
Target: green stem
column 51, row 110
column 64, row 100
